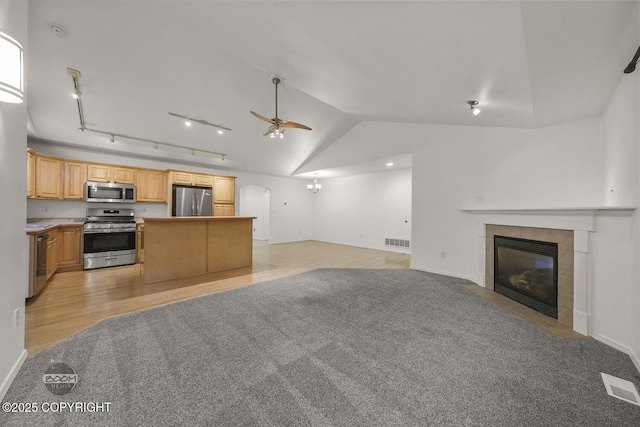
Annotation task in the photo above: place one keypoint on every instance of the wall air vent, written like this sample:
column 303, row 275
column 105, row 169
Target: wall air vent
column 396, row 242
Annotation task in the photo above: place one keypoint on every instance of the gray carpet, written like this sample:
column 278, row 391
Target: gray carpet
column 331, row 347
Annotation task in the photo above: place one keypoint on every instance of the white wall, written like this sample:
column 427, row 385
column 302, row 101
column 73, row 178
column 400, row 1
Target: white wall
column 255, row 201
column 616, row 257
column 557, row 166
column 620, row 151
column 363, row 210
column 290, row 201
column 14, row 251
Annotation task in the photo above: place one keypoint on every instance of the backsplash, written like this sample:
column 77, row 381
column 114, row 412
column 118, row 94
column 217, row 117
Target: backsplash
column 38, row 208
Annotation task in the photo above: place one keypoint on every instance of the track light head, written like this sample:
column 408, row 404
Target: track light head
column 473, row 107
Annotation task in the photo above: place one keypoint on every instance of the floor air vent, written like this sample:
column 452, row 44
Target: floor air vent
column 396, row 242
column 621, row 389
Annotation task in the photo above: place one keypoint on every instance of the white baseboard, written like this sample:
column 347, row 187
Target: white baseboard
column 623, row 348
column 445, row 273
column 6, row 383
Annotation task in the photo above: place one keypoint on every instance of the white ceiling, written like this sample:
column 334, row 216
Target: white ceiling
column 528, row 63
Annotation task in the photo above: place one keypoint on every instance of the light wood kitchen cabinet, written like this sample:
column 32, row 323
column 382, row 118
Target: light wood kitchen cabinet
column 31, row 174
column 151, row 186
column 52, row 253
column 75, row 176
column 203, row 180
column 224, row 189
column 139, row 243
column 69, row 247
column 48, row 173
column 188, row 178
column 224, row 210
column 107, row 173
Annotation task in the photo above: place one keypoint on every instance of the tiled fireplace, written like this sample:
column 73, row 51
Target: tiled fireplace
column 565, row 261
column 570, row 228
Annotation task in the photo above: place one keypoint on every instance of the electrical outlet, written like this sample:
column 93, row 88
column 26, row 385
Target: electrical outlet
column 45, row 209
column 480, row 198
column 16, row 318
column 443, row 254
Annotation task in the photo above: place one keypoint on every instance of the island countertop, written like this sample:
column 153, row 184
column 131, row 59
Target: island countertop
column 197, row 218
column 179, row 247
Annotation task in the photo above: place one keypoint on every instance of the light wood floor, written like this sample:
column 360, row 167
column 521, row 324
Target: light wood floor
column 74, row 301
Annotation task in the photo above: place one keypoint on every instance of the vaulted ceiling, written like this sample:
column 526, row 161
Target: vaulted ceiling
column 344, row 64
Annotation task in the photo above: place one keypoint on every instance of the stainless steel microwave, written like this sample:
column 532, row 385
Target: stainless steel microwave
column 105, row 192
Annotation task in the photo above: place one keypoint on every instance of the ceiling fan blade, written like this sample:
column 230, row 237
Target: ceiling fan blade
column 270, row 131
column 286, row 124
column 262, row 117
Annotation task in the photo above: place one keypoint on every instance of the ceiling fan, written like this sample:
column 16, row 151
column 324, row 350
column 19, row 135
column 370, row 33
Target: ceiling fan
column 277, row 124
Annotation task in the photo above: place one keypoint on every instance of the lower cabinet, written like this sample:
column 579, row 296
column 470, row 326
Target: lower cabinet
column 69, row 247
column 52, row 253
column 139, row 243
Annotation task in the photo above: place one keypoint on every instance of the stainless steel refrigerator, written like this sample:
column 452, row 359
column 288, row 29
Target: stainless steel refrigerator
column 192, row 201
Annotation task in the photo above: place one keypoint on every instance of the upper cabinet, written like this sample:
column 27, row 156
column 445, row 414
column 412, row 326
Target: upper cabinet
column 75, row 175
column 188, row 178
column 48, row 174
column 109, row 173
column 151, row 186
column 50, row 177
column 31, row 174
column 224, row 189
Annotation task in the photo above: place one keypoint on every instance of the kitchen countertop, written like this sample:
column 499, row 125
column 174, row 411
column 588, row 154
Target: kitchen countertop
column 198, row 218
column 42, row 225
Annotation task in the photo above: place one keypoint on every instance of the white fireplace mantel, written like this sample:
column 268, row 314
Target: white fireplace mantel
column 581, row 220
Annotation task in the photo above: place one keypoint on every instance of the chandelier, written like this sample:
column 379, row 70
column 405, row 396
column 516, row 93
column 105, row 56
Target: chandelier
column 315, row 187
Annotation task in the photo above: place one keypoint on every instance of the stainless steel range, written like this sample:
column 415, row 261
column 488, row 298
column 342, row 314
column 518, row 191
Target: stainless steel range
column 109, row 238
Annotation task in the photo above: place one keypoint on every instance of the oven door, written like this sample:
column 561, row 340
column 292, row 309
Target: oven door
column 109, row 248
column 99, row 241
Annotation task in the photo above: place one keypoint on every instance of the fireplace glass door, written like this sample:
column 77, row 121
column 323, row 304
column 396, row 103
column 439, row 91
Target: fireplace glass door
column 526, row 271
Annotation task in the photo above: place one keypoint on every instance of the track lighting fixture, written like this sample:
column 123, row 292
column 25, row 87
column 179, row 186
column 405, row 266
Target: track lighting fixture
column 189, row 120
column 11, row 70
column 473, row 105
column 75, row 75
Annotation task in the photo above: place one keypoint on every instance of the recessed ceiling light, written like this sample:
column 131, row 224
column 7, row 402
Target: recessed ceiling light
column 389, row 163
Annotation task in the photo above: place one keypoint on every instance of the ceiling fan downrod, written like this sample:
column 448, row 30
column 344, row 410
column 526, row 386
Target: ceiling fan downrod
column 276, row 81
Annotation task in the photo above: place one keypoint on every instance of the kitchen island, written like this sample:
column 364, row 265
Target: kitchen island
column 180, row 247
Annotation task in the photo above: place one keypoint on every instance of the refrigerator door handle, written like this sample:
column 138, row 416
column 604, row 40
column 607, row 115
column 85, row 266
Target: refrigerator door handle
column 197, row 205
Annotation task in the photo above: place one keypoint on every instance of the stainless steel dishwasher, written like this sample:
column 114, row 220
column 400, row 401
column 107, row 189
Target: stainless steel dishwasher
column 37, row 263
